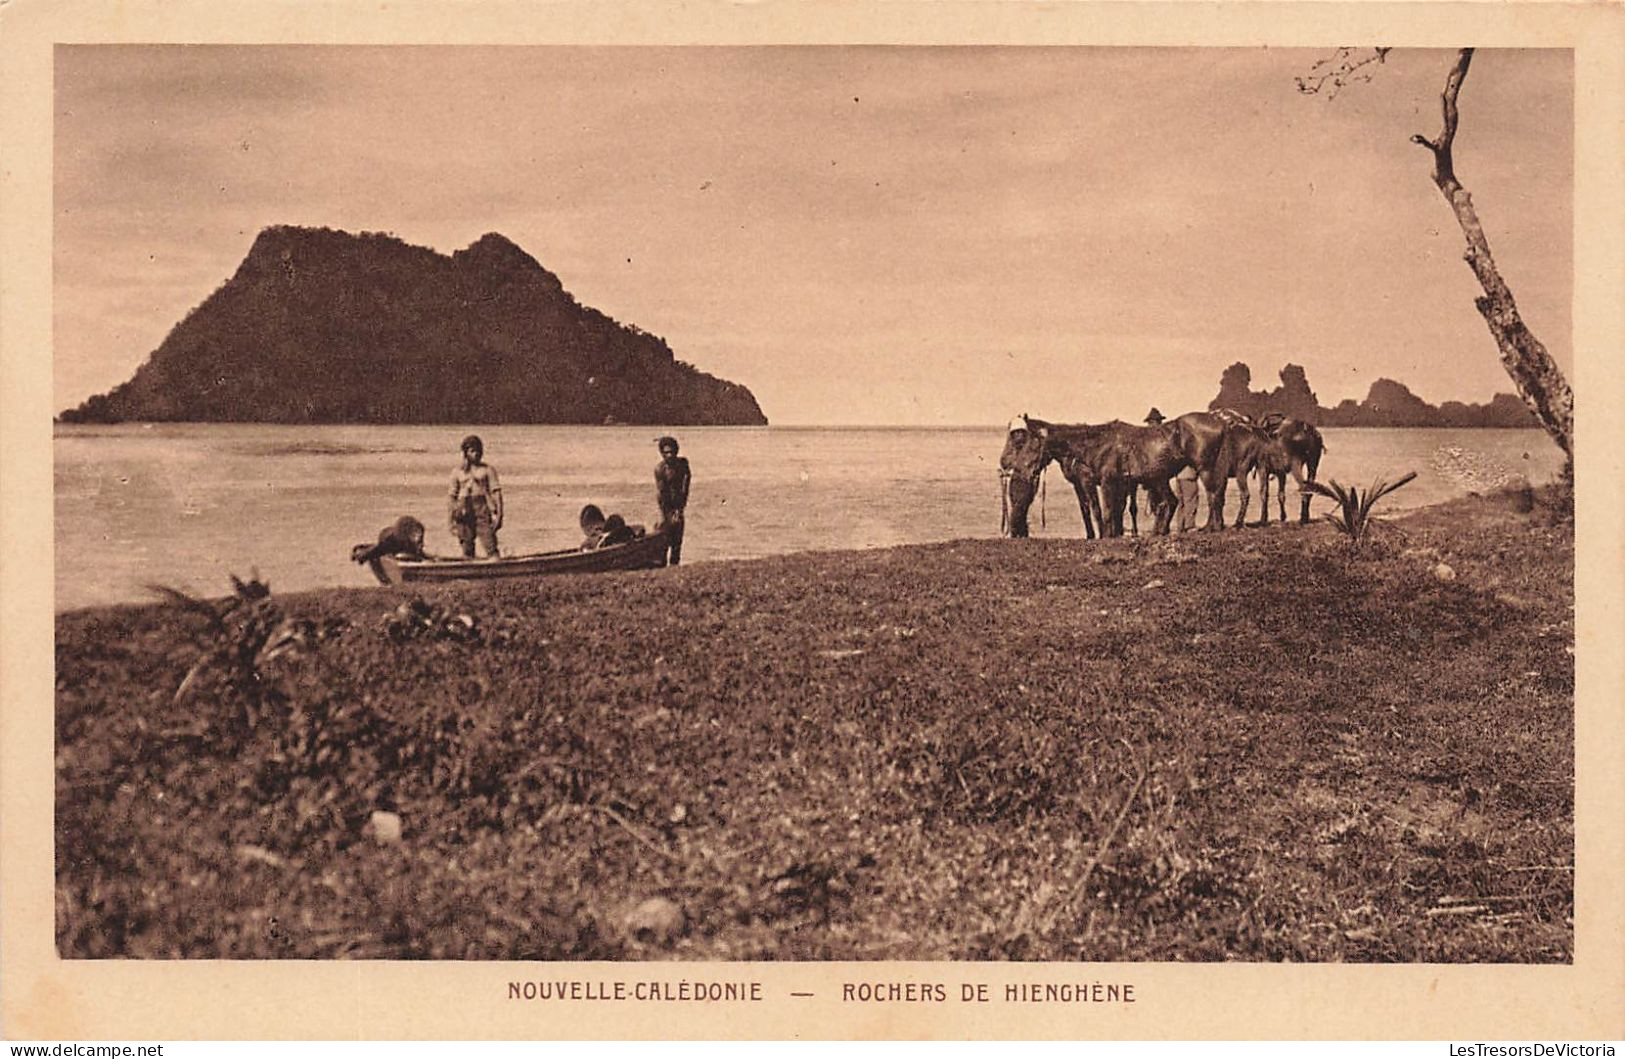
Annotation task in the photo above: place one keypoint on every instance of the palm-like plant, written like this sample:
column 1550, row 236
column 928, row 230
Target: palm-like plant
column 1353, row 516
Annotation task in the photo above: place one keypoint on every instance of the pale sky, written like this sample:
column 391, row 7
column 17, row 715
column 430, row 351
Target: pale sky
column 874, row 235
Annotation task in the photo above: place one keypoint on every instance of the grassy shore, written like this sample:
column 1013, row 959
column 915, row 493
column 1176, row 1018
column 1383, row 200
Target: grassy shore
column 1252, row 745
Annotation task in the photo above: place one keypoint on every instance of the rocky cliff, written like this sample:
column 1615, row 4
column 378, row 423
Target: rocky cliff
column 323, row 326
column 1387, row 404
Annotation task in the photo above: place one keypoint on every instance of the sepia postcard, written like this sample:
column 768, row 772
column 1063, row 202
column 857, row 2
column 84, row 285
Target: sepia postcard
column 550, row 526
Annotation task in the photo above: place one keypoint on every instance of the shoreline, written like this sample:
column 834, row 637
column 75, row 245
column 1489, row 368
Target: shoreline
column 924, row 427
column 1394, row 508
column 1250, row 745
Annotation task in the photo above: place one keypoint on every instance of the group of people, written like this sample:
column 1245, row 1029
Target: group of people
column 474, row 507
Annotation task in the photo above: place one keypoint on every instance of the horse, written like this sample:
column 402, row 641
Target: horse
column 1116, row 456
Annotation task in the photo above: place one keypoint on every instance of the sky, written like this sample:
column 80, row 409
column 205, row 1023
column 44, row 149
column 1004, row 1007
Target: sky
column 924, row 236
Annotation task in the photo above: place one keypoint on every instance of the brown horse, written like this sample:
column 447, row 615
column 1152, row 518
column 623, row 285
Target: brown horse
column 1247, row 448
column 1117, row 456
column 1293, row 447
column 1086, row 486
column 1273, row 448
column 1200, row 439
column 1224, row 444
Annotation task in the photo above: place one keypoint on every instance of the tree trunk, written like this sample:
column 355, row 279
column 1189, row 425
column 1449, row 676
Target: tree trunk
column 1539, row 380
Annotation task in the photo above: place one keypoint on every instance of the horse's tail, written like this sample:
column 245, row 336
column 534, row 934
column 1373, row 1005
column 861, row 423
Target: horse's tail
column 1317, row 449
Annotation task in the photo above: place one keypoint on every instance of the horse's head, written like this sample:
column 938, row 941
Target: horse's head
column 1026, row 453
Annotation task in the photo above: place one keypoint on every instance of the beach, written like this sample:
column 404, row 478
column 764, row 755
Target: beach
column 186, row 504
column 1255, row 745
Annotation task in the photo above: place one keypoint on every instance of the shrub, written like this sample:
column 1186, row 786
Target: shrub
column 1353, row 517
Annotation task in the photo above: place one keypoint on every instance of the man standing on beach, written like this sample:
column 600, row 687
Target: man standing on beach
column 475, row 505
column 671, row 483
column 1184, row 484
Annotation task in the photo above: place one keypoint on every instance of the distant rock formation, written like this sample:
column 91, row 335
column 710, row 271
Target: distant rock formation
column 324, row 326
column 1387, row 404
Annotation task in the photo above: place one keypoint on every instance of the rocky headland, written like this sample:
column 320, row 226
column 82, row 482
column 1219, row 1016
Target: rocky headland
column 324, row 326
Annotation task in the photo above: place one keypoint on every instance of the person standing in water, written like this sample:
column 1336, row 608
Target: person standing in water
column 671, row 484
column 475, row 504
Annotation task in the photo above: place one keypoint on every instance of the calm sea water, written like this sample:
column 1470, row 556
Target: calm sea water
column 184, row 504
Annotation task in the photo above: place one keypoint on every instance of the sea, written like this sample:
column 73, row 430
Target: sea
column 188, row 505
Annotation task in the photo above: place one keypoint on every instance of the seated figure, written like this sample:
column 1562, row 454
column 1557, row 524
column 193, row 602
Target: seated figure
column 616, row 531
column 592, row 527
column 602, row 532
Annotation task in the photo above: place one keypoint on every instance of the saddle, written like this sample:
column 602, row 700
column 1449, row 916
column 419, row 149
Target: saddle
column 1234, row 418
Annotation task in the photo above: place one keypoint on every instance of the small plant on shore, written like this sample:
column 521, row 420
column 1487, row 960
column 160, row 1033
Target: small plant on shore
column 1353, row 516
column 238, row 638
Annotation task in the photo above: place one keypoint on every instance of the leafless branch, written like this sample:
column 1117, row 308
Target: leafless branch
column 1444, row 170
column 1342, row 68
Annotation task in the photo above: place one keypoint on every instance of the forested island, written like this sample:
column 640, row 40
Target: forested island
column 1387, row 404
column 325, row 326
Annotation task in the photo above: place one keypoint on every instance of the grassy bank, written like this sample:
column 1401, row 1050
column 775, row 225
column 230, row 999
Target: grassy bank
column 1247, row 746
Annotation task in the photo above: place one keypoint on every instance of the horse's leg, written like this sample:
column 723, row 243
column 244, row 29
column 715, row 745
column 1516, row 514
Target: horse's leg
column 1094, row 505
column 1270, row 477
column 1163, row 502
column 1214, row 483
column 1134, row 508
column 1300, row 476
column 1246, row 496
column 1112, row 495
column 1312, row 465
column 1083, row 490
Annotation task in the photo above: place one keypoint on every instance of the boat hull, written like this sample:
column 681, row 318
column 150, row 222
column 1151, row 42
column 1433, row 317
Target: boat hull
column 645, row 553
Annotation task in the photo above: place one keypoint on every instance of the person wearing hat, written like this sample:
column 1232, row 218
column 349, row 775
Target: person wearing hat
column 1185, row 491
column 475, row 505
column 671, row 488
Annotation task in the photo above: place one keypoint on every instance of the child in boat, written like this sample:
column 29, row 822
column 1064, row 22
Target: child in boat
column 592, row 527
column 616, row 531
column 671, row 485
column 601, row 532
column 475, row 505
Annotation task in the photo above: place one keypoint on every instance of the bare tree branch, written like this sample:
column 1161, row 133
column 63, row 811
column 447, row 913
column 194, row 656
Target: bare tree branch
column 1444, row 168
column 1336, row 72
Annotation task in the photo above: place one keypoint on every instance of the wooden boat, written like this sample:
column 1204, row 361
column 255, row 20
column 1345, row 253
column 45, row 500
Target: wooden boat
column 644, row 553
